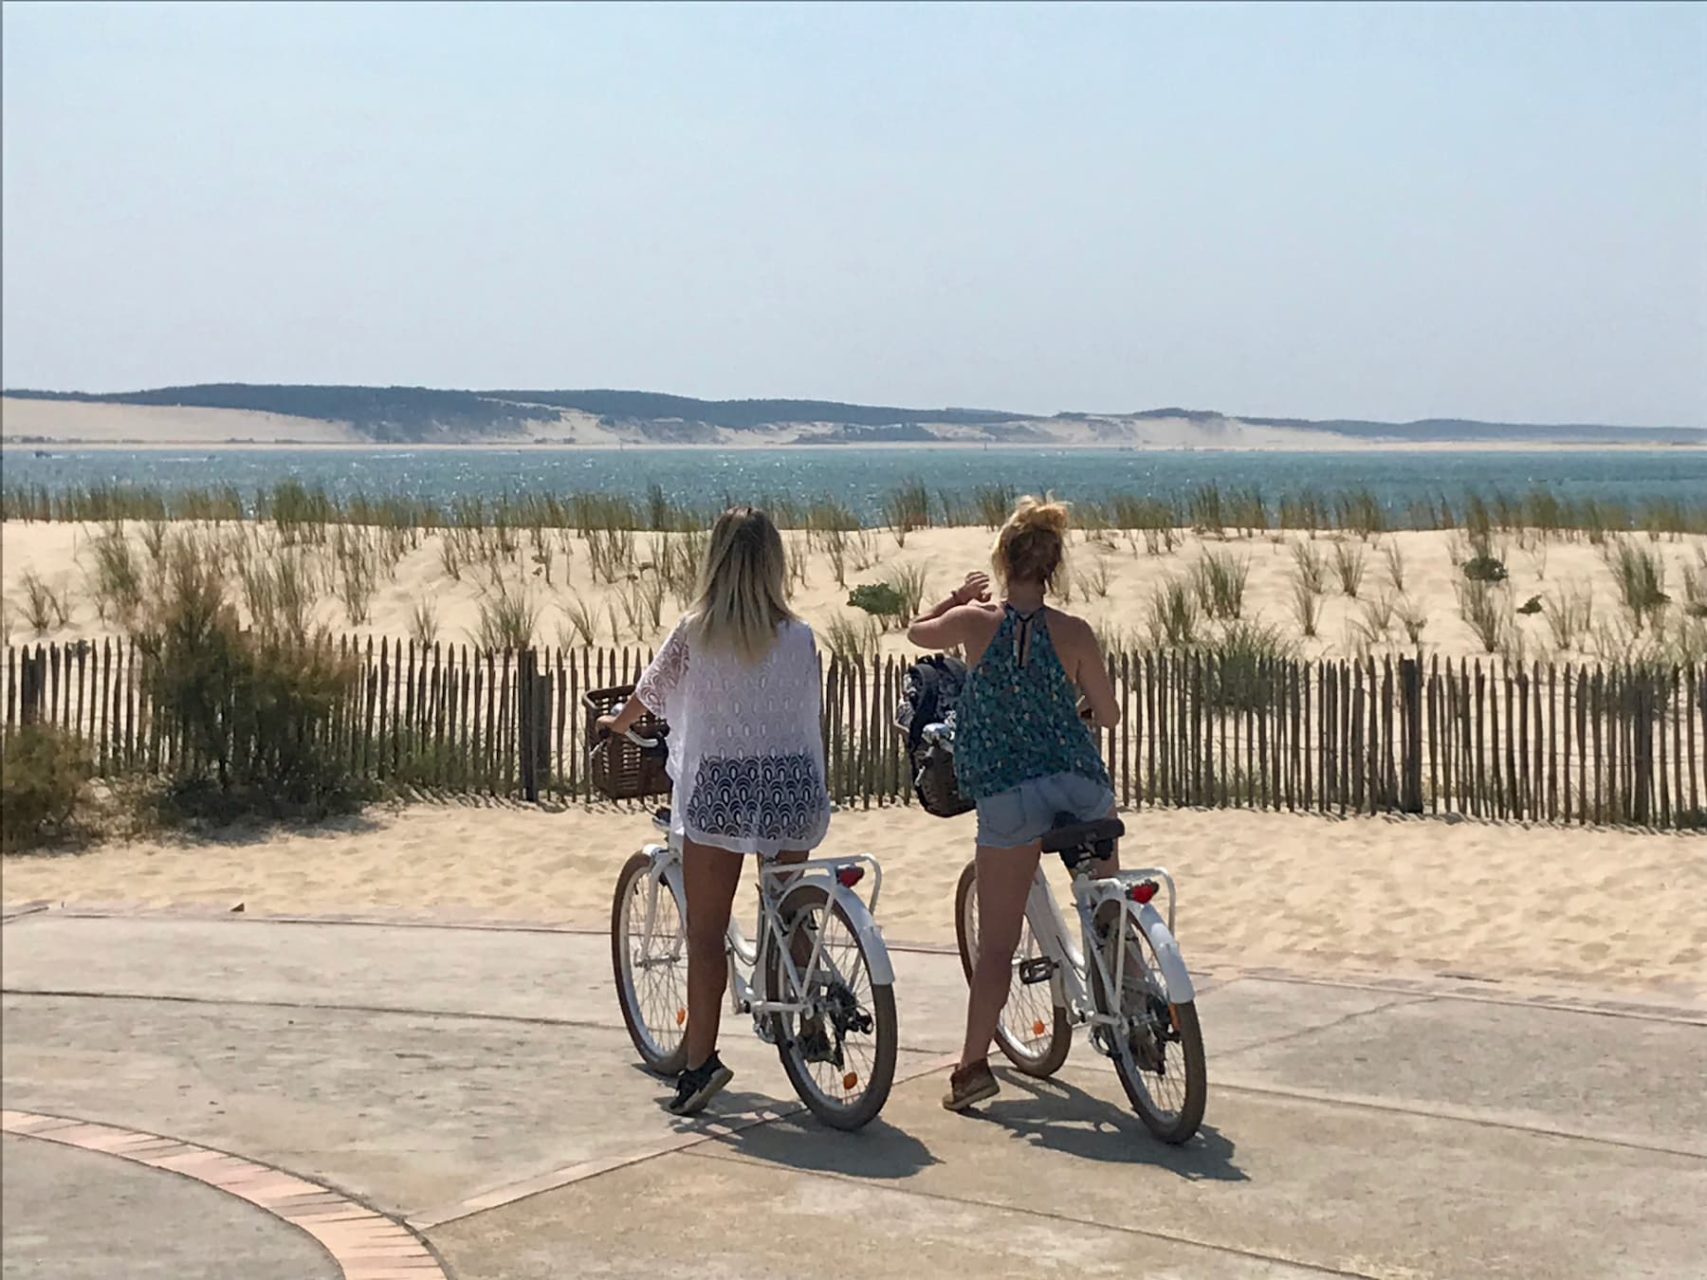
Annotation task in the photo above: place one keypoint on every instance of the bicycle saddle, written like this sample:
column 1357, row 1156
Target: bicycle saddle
column 1069, row 835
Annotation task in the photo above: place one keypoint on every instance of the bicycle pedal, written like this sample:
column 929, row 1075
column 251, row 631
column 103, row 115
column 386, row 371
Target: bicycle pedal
column 1037, row 969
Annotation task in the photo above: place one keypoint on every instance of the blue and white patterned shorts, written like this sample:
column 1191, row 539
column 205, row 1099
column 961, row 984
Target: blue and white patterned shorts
column 1022, row 815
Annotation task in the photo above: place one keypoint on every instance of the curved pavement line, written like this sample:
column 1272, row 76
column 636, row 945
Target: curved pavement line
column 365, row 1244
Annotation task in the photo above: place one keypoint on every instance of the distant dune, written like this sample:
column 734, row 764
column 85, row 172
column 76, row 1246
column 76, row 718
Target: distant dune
column 241, row 413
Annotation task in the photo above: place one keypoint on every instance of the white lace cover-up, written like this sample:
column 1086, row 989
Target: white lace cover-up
column 746, row 755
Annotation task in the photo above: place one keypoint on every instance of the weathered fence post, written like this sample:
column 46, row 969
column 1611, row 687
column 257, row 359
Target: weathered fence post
column 1642, row 730
column 1411, row 735
column 32, row 685
column 526, row 706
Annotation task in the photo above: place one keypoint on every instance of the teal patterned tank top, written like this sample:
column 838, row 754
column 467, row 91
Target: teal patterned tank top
column 1018, row 715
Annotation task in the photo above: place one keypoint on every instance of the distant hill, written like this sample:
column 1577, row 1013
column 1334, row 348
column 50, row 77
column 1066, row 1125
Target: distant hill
column 415, row 415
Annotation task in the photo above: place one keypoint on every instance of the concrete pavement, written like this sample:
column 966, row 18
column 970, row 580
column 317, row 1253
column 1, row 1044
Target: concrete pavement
column 476, row 1085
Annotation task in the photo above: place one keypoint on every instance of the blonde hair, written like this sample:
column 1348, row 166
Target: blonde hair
column 743, row 593
column 1032, row 545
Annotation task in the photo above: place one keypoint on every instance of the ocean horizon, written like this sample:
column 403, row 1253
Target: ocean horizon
column 861, row 476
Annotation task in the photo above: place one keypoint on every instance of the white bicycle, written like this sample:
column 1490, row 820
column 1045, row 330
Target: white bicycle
column 817, row 980
column 1128, row 982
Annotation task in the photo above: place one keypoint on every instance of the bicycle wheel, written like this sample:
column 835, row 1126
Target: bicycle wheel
column 1160, row 1061
column 651, row 979
column 840, row 1059
column 1034, row 1032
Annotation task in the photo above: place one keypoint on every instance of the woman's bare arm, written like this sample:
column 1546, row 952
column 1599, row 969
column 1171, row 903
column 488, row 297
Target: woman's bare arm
column 946, row 624
column 1090, row 672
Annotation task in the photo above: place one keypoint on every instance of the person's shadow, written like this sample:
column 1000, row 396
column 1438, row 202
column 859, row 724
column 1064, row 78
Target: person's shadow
column 1059, row 1116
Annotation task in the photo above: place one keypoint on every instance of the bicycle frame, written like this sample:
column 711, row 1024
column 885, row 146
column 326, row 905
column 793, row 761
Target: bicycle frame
column 1071, row 972
column 748, row 957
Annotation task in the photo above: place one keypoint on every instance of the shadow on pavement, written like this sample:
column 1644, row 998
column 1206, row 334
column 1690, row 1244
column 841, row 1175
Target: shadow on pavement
column 879, row 1150
column 1057, row 1116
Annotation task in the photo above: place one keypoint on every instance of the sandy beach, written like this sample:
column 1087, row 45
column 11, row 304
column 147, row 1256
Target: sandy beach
column 1495, row 901
column 1500, row 902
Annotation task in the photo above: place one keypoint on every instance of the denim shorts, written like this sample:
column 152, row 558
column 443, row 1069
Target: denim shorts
column 1019, row 817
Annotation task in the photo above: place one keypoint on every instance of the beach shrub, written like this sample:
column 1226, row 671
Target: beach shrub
column 250, row 712
column 1378, row 613
column 44, row 608
column 1208, row 511
column 1306, row 511
column 880, row 599
column 1641, row 577
column 1249, row 510
column 907, row 507
column 1239, row 673
column 853, row 639
column 1349, row 565
column 908, row 580
column 1360, row 512
column 1219, row 581
column 424, row 622
column 508, row 618
column 1413, row 618
column 115, row 578
column 1097, row 578
column 1395, row 558
column 44, row 786
column 1570, row 614
column 994, row 503
column 1172, row 614
column 1484, row 612
column 1306, row 607
column 1485, row 568
column 1310, row 566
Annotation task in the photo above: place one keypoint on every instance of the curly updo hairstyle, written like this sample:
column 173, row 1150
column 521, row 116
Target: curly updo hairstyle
column 1032, row 545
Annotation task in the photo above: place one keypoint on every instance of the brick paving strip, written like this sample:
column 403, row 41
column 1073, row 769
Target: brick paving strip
column 366, row 1245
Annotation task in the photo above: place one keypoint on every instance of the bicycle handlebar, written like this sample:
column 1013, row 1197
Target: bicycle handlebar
column 645, row 744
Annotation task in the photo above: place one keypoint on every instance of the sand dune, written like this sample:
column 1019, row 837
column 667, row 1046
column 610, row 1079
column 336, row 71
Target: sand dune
column 1115, row 578
column 61, row 421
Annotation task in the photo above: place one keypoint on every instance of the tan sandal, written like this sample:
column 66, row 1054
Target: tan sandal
column 970, row 1085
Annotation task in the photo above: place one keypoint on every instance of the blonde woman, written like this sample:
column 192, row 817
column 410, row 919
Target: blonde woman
column 738, row 681
column 1022, row 751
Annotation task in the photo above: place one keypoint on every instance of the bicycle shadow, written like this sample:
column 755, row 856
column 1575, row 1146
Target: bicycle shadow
column 1059, row 1116
column 768, row 1131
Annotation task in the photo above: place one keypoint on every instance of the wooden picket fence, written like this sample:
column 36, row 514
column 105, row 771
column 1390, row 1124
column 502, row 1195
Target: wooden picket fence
column 1577, row 743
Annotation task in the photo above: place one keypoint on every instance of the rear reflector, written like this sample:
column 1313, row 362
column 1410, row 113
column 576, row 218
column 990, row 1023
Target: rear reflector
column 848, row 877
column 1143, row 892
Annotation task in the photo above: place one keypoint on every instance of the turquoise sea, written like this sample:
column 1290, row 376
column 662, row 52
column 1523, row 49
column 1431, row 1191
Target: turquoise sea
column 861, row 476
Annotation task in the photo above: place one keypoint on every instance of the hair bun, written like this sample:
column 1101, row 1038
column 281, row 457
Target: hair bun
column 1040, row 514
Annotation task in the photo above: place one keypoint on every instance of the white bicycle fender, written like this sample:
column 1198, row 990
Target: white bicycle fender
column 1180, row 990
column 672, row 871
column 876, row 950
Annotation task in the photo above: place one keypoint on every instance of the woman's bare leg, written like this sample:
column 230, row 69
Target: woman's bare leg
column 710, row 876
column 1004, row 883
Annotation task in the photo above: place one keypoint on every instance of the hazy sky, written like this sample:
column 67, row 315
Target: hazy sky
column 1491, row 211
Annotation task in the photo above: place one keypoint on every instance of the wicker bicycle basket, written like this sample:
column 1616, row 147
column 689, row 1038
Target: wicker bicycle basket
column 619, row 770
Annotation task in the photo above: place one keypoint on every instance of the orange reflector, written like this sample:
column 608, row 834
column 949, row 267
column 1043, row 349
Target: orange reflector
column 1173, row 1013
column 850, row 1081
column 1037, row 1028
column 681, row 1016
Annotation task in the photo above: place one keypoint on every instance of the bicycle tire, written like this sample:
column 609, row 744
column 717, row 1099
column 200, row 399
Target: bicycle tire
column 880, row 1074
column 663, row 1049
column 1036, row 1047
column 1177, row 1125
